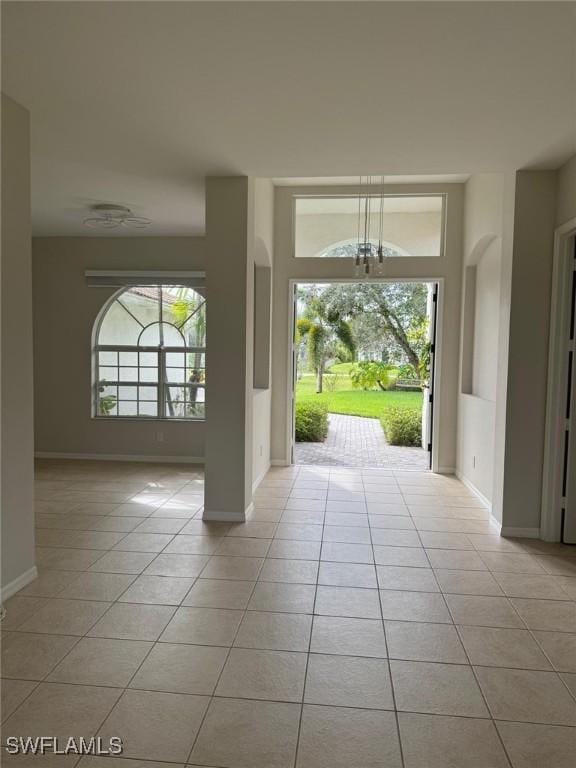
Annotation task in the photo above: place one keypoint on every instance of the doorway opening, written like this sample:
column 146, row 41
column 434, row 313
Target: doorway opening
column 363, row 364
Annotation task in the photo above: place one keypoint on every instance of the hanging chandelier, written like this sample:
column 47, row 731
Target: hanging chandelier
column 369, row 258
column 108, row 216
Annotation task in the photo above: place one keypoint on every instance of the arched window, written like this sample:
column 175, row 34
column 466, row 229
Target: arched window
column 150, row 354
column 346, row 249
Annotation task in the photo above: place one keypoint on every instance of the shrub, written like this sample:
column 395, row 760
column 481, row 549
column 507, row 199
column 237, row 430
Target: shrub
column 402, row 426
column 370, row 374
column 311, row 422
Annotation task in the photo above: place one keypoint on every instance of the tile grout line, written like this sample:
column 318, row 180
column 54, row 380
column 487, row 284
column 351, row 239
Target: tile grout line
column 392, row 688
column 246, row 610
column 213, row 696
column 300, row 719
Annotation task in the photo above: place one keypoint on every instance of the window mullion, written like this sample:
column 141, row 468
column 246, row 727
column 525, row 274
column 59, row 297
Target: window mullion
column 161, row 380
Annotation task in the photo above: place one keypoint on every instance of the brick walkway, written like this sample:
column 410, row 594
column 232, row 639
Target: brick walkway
column 354, row 441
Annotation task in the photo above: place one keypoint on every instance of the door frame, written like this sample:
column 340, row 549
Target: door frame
column 551, row 512
column 290, row 402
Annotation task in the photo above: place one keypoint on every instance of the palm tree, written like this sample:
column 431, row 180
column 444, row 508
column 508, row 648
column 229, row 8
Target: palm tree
column 325, row 331
column 189, row 311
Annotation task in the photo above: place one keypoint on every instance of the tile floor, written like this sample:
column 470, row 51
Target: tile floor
column 358, row 619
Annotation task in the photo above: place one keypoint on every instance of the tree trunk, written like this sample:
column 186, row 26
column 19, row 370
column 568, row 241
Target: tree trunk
column 398, row 332
column 319, row 379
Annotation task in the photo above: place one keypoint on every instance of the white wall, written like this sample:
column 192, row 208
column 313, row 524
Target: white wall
column 64, row 313
column 263, row 257
column 566, row 192
column 447, row 267
column 534, row 221
column 486, row 323
column 483, row 264
column 17, row 438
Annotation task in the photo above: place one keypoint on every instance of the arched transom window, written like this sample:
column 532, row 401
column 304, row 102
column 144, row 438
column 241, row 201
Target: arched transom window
column 348, row 249
column 150, row 354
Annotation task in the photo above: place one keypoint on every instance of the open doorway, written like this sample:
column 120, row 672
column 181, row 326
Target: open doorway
column 363, row 373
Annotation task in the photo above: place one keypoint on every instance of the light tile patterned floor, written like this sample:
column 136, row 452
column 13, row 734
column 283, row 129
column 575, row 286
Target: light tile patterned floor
column 355, row 441
column 358, row 619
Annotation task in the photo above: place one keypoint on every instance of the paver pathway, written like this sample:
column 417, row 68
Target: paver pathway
column 355, row 441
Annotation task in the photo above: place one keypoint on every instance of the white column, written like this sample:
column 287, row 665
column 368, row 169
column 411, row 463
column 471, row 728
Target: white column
column 17, row 394
column 229, row 344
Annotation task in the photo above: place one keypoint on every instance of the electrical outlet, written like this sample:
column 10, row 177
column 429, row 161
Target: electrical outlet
column 160, row 437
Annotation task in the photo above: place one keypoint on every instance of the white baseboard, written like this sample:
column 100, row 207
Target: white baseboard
column 479, row 495
column 260, row 477
column 19, row 583
column 520, row 533
column 446, row 471
column 213, row 515
column 280, row 463
column 121, row 457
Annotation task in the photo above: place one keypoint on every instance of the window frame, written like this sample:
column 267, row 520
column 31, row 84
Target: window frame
column 302, row 194
column 161, row 384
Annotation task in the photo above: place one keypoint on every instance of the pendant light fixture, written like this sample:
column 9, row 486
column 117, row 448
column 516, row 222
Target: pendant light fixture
column 108, row 216
column 369, row 259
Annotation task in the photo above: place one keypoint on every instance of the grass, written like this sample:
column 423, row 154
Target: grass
column 339, row 397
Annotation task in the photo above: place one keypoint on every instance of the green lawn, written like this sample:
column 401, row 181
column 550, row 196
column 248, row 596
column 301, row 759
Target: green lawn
column 339, row 396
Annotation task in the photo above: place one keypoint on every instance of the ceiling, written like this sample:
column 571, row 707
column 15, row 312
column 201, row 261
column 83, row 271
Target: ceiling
column 135, row 103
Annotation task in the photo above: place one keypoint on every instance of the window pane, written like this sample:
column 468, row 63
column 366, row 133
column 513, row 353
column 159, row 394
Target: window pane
column 107, row 358
column 142, row 302
column 194, row 328
column 107, row 401
column 127, row 408
column 196, row 410
column 128, row 358
column 128, row 374
column 328, row 226
column 108, row 373
column 164, row 334
column 149, row 358
column 118, row 327
column 176, row 375
column 195, row 370
column 179, row 302
column 184, row 402
column 172, row 336
column 148, row 393
column 127, row 393
column 148, row 374
column 175, row 402
column 147, row 409
column 175, row 359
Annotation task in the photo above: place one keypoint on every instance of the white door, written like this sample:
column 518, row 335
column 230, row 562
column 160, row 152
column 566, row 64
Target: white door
column 429, row 393
column 294, row 299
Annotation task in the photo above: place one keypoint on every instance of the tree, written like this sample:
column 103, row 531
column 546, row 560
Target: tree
column 398, row 310
column 189, row 315
column 324, row 329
